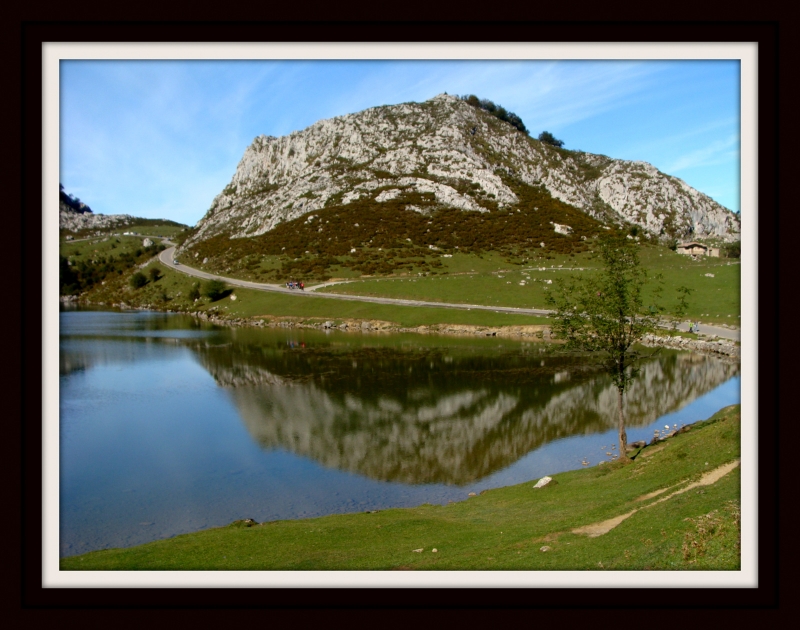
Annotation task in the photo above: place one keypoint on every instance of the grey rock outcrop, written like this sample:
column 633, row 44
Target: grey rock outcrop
column 69, row 219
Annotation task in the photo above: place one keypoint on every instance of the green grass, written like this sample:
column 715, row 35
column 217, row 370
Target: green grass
column 491, row 280
column 252, row 303
column 86, row 265
column 714, row 300
column 100, row 246
column 502, row 529
column 488, row 279
column 145, row 227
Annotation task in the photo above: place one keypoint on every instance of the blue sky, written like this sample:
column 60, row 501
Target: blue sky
column 159, row 139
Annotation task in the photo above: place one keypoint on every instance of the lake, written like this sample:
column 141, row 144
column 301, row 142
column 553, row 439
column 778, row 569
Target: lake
column 169, row 425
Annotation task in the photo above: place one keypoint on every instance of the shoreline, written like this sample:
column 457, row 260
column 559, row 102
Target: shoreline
column 720, row 348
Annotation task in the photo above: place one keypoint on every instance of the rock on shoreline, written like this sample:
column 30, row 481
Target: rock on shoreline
column 718, row 347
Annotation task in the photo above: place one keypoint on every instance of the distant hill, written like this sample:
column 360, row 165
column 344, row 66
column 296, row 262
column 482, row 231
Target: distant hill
column 76, row 216
column 69, row 203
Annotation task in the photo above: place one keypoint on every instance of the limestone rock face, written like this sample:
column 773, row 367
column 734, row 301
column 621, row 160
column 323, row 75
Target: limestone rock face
column 460, row 155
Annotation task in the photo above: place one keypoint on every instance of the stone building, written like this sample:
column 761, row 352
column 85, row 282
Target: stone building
column 694, row 248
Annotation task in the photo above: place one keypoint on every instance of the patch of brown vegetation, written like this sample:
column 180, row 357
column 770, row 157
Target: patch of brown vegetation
column 707, row 527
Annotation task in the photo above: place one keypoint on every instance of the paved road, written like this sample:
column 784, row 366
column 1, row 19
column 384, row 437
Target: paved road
column 167, row 257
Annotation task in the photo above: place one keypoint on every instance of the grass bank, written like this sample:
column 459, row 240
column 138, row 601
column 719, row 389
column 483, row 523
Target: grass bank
column 672, row 524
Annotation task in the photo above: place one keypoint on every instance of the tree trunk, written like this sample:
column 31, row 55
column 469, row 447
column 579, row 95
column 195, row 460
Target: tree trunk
column 623, row 437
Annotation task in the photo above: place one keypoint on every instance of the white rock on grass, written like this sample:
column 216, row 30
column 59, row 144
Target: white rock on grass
column 543, row 482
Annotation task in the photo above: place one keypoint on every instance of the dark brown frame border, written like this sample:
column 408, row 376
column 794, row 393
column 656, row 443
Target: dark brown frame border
column 765, row 597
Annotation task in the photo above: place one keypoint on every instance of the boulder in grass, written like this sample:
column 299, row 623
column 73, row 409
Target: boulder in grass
column 545, row 481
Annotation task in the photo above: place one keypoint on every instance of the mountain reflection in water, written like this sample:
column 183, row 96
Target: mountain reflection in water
column 420, row 414
column 169, row 425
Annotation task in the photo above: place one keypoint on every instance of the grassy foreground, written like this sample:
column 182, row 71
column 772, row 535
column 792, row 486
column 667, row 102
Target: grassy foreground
column 517, row 527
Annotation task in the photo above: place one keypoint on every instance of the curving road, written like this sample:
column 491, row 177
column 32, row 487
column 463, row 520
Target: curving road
column 168, row 255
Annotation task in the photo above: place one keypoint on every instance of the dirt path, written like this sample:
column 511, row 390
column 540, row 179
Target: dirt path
column 603, row 527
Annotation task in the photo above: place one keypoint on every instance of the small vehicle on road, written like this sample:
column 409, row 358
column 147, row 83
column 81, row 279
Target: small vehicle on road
column 175, row 262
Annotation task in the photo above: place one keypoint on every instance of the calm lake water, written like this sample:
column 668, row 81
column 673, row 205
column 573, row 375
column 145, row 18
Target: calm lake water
column 169, row 425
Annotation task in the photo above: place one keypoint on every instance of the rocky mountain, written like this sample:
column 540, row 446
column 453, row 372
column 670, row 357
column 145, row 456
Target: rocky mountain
column 451, row 155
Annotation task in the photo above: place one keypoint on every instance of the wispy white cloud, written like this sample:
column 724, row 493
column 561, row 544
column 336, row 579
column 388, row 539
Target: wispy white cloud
column 718, row 152
column 569, row 92
column 682, row 138
column 547, row 93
